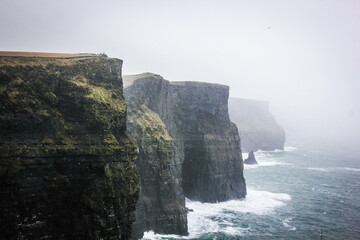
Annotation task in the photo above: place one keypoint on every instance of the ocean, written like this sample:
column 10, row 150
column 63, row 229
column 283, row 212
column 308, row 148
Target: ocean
column 302, row 192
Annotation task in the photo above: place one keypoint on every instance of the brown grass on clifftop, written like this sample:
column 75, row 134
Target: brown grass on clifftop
column 44, row 54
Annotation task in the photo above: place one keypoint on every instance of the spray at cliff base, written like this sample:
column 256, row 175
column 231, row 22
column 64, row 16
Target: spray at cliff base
column 292, row 194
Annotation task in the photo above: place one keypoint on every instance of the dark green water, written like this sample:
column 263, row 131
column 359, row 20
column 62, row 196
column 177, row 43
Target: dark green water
column 292, row 194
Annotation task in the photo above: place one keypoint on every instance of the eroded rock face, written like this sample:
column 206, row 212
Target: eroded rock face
column 258, row 128
column 66, row 163
column 160, row 208
column 213, row 168
column 205, row 163
column 250, row 159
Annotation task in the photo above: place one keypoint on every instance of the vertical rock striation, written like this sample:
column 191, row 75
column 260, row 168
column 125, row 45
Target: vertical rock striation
column 258, row 128
column 204, row 157
column 212, row 169
column 161, row 206
column 66, row 163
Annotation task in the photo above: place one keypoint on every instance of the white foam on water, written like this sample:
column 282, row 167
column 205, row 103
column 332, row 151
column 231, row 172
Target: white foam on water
column 332, row 169
column 264, row 160
column 352, row 169
column 318, row 169
column 286, row 149
column 278, row 150
column 251, row 166
column 287, row 224
column 272, row 163
column 150, row 235
column 265, row 164
column 207, row 218
column 290, row 149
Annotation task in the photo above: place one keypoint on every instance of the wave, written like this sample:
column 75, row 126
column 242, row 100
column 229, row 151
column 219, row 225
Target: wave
column 272, row 163
column 265, row 164
column 150, row 235
column 332, row 169
column 319, row 169
column 352, row 169
column 264, row 160
column 207, row 218
column 290, row 149
column 286, row 149
column 287, row 224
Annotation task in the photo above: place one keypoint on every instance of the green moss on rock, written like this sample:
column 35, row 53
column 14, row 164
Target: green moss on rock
column 160, row 207
column 66, row 162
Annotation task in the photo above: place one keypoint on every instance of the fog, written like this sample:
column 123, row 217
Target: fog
column 302, row 56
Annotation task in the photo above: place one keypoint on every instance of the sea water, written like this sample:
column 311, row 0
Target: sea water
column 301, row 192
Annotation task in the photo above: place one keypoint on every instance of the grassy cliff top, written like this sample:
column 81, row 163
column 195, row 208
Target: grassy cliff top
column 45, row 54
column 67, row 104
column 43, row 59
column 130, row 79
column 197, row 84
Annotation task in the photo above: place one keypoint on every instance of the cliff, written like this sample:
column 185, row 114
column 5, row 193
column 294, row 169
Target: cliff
column 159, row 208
column 258, row 128
column 66, row 163
column 203, row 151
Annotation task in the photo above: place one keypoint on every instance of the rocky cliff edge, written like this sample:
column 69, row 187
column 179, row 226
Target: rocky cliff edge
column 66, row 162
column 195, row 152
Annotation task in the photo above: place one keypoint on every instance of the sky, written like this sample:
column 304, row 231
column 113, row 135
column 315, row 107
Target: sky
column 303, row 56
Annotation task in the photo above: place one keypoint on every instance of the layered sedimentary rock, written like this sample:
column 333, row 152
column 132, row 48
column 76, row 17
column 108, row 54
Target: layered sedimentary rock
column 202, row 148
column 160, row 208
column 212, row 170
column 257, row 127
column 66, row 163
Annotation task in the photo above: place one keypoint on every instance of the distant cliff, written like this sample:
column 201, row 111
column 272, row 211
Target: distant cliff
column 66, row 164
column 191, row 148
column 257, row 126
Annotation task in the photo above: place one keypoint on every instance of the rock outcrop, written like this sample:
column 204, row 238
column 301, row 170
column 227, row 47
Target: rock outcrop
column 258, row 128
column 250, row 159
column 193, row 150
column 66, row 163
column 160, row 207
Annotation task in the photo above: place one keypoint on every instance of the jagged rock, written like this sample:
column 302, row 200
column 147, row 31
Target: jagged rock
column 258, row 128
column 204, row 148
column 66, row 163
column 250, row 159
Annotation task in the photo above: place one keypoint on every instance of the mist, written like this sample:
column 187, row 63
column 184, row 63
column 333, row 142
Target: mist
column 301, row 56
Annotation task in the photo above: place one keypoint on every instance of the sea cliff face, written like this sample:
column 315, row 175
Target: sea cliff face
column 160, row 208
column 66, row 163
column 212, row 167
column 203, row 151
column 258, row 128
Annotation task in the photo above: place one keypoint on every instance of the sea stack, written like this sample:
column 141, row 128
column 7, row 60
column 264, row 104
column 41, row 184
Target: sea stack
column 251, row 159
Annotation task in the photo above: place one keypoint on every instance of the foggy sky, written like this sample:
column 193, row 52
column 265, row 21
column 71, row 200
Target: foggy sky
column 302, row 56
